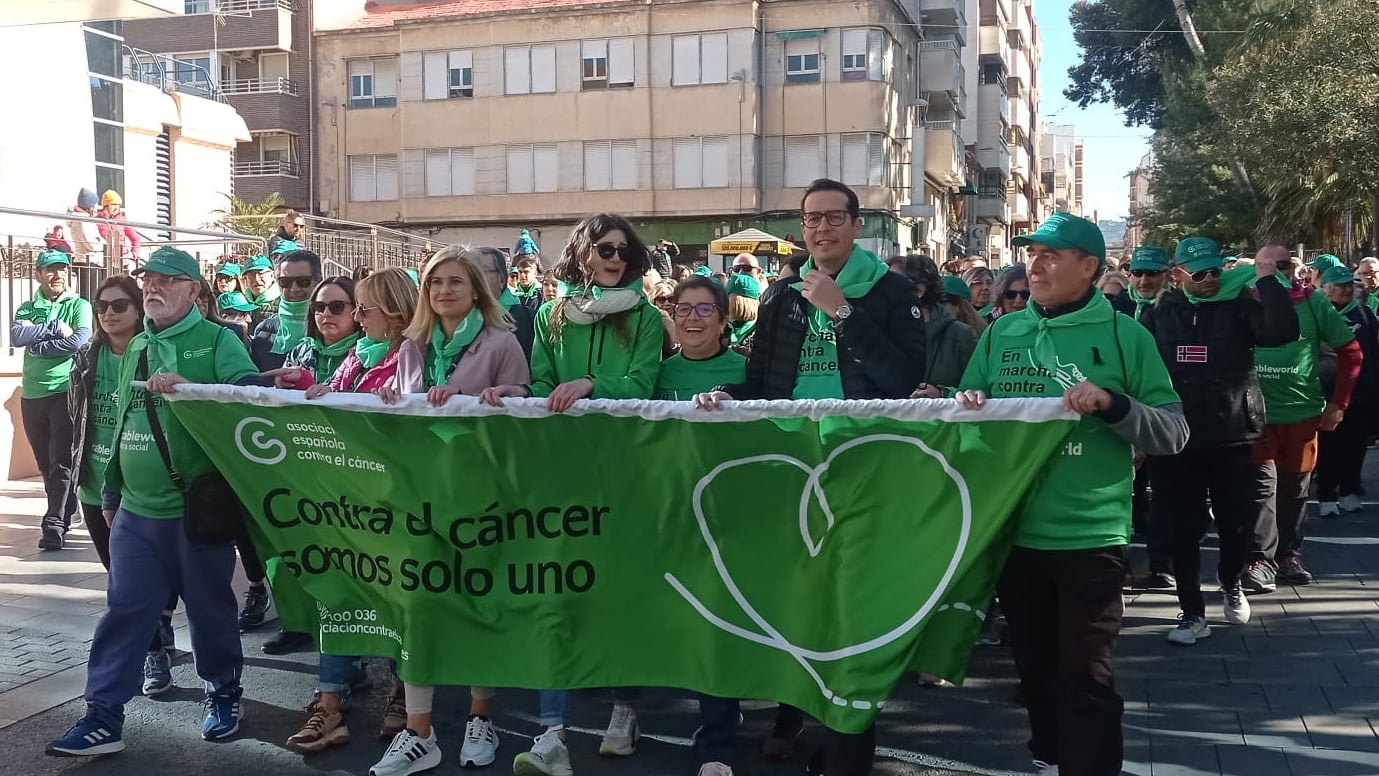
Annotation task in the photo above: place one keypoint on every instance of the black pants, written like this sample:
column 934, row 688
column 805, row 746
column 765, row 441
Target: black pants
column 1064, row 609
column 1157, row 532
column 844, row 754
column 1183, row 483
column 1341, row 453
column 1283, row 508
column 249, row 559
column 94, row 519
column 48, row 427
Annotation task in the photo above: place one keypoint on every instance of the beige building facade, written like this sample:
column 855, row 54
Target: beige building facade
column 695, row 119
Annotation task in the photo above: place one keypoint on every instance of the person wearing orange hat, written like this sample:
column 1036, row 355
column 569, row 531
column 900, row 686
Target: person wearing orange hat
column 121, row 243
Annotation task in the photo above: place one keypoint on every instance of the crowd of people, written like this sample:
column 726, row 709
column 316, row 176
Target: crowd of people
column 1209, row 389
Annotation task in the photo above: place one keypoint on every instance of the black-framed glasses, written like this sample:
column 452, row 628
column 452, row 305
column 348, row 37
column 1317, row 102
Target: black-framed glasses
column 608, row 250
column 1146, row 273
column 1210, row 272
column 1012, row 293
column 336, row 307
column 120, row 306
column 741, row 268
column 702, row 309
column 304, row 282
column 833, row 217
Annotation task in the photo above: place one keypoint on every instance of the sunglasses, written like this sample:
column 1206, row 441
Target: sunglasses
column 609, row 250
column 1146, row 273
column 360, row 309
column 120, row 306
column 297, row 282
column 1214, row 272
column 1012, row 293
column 741, row 268
column 703, row 309
column 334, row 308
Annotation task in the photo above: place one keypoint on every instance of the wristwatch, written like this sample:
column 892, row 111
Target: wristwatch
column 844, row 310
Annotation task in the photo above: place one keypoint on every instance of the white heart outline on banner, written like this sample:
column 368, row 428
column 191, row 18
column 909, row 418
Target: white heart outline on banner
column 773, row 637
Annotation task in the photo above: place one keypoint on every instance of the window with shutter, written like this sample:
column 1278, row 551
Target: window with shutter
column 624, row 165
column 598, row 172
column 876, row 160
column 461, row 171
column 438, row 172
column 621, row 70
column 685, row 60
column 876, row 55
column 385, row 83
column 385, row 176
column 460, row 82
column 361, row 84
column 435, row 75
column 542, row 69
column 688, row 163
column 520, row 178
column 715, row 162
column 594, row 64
column 854, row 55
column 802, row 61
column 804, row 160
column 713, row 58
column 362, row 188
column 855, row 160
column 545, row 168
column 517, row 70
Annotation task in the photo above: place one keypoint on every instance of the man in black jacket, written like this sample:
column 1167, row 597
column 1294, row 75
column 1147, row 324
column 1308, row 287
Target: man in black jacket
column 1207, row 332
column 844, row 327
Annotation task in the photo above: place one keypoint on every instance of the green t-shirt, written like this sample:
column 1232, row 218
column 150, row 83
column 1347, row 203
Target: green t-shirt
column 47, row 375
column 101, row 436
column 1288, row 374
column 819, row 377
column 1083, row 501
column 681, row 378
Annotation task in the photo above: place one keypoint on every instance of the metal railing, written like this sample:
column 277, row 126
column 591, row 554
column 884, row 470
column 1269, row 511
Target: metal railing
column 240, row 6
column 950, row 125
column 270, row 167
column 163, row 71
column 258, row 86
column 350, row 244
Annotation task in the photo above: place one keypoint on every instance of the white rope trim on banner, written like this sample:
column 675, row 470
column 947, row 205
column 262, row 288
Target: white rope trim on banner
column 947, row 410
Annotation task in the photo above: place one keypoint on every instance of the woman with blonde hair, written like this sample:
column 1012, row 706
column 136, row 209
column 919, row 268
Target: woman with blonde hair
column 744, row 297
column 979, row 281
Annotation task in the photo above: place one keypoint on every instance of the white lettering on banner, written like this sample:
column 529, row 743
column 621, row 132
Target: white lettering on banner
column 309, row 448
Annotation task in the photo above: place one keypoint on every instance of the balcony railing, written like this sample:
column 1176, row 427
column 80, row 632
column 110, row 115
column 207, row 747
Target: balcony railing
column 169, row 73
column 238, row 6
column 272, row 167
column 259, row 86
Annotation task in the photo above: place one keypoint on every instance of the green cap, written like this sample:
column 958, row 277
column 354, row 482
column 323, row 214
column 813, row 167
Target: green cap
column 52, row 257
column 1338, row 275
column 1065, row 230
column 954, row 286
column 1148, row 257
column 172, row 262
column 235, row 301
column 703, row 270
column 285, row 246
column 744, row 285
column 1324, row 262
column 230, row 270
column 1198, row 253
column 258, row 263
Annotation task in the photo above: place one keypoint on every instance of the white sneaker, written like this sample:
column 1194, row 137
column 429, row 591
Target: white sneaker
column 408, row 753
column 480, row 743
column 1189, row 630
column 715, row 769
column 1237, row 606
column 1351, row 503
column 548, row 757
column 1328, row 509
column 621, row 738
column 1045, row 769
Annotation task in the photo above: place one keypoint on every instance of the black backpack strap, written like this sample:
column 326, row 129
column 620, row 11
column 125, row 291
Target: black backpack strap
column 155, row 426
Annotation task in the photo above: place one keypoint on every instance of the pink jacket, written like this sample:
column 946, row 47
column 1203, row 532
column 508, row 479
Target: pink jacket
column 494, row 358
column 402, row 369
column 130, row 237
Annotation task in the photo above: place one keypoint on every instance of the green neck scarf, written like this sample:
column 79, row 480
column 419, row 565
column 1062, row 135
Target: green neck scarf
column 371, row 352
column 440, row 356
column 985, row 309
column 50, row 307
column 528, row 291
column 507, row 299
column 291, row 325
column 740, row 330
column 1233, row 282
column 1140, row 301
column 328, row 357
column 1344, row 311
column 163, row 342
column 861, row 271
column 269, row 295
column 1097, row 312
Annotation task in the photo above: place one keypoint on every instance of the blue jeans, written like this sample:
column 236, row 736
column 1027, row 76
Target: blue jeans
column 335, row 672
column 151, row 562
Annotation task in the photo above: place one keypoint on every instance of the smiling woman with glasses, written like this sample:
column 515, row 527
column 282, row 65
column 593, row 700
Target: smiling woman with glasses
column 701, row 327
column 1010, row 292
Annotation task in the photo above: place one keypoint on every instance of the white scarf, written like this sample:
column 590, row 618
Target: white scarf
column 597, row 303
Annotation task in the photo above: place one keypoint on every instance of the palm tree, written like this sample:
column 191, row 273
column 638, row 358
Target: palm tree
column 258, row 219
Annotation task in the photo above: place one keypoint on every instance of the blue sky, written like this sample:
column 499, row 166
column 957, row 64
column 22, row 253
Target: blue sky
column 1111, row 149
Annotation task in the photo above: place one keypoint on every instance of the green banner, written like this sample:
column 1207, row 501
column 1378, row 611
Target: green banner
column 802, row 552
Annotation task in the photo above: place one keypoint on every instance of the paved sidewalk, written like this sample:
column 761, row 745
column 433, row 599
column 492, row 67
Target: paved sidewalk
column 1294, row 693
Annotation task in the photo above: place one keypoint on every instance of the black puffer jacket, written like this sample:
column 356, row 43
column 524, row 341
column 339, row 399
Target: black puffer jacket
column 1365, row 324
column 881, row 346
column 1209, row 351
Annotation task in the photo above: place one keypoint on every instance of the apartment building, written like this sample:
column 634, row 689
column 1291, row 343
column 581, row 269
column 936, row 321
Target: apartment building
column 1141, row 200
column 942, row 105
column 256, row 54
column 1062, row 154
column 696, row 119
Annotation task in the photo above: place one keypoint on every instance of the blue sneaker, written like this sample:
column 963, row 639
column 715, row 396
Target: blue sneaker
column 90, row 737
column 223, row 715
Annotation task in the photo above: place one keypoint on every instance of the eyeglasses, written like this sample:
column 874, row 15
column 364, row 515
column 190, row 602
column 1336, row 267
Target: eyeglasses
column 1146, row 273
column 608, row 250
column 833, row 217
column 741, row 268
column 303, row 283
column 299, row 224
column 1213, row 272
column 120, row 306
column 703, row 309
column 163, row 281
column 1012, row 293
column 360, row 309
column 336, row 307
